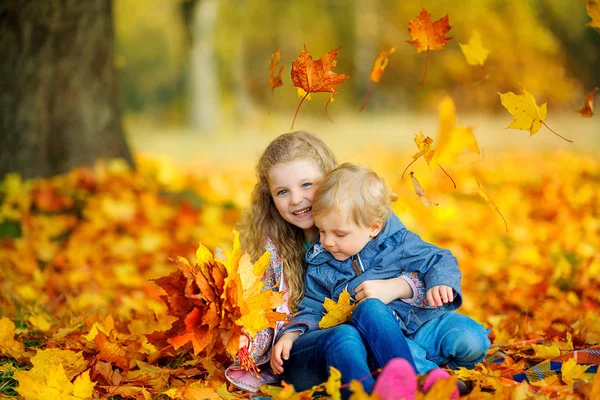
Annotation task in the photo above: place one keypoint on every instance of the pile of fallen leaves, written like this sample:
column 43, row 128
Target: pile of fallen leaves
column 83, row 257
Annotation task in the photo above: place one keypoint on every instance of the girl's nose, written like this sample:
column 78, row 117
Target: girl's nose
column 296, row 198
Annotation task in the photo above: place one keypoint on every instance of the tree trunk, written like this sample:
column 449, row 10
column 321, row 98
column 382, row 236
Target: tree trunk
column 59, row 102
column 205, row 96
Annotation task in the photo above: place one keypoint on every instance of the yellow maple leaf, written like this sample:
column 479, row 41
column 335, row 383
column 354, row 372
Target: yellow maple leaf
column 595, row 391
column 442, row 389
column 332, row 386
column 358, row 392
column 593, row 10
column 48, row 381
column 474, row 51
column 453, row 138
column 546, row 352
column 337, row 313
column 106, row 326
column 424, row 143
column 8, row 345
column 571, row 372
column 526, row 113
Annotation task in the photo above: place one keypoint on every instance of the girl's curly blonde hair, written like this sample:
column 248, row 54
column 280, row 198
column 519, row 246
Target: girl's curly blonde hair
column 262, row 220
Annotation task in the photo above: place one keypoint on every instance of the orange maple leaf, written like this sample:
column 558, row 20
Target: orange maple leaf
column 588, row 108
column 377, row 71
column 111, row 351
column 275, row 78
column 316, row 76
column 428, row 35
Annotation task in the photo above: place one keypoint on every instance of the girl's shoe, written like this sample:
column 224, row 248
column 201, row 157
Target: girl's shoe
column 245, row 380
column 433, row 376
column 397, row 381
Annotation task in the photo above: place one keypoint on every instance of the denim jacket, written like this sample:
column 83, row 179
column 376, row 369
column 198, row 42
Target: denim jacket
column 393, row 251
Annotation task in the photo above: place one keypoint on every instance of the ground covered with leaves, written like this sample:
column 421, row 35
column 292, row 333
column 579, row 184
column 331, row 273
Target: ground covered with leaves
column 82, row 316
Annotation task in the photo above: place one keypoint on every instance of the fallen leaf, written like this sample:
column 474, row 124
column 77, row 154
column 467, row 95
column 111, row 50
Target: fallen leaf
column 334, row 381
column 546, row 352
column 420, row 191
column 572, row 372
column 316, row 76
column 8, row 345
column 428, row 35
column 337, row 313
column 588, row 107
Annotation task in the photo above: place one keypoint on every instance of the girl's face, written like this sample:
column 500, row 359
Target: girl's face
column 292, row 186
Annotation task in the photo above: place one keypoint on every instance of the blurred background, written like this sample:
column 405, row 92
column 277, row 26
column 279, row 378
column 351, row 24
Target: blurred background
column 198, row 70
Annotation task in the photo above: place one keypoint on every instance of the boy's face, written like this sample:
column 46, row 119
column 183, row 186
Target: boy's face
column 341, row 236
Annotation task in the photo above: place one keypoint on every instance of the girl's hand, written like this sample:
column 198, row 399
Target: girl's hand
column 281, row 351
column 386, row 290
column 440, row 295
column 244, row 341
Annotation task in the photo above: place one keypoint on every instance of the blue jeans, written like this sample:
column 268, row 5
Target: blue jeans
column 367, row 343
column 453, row 339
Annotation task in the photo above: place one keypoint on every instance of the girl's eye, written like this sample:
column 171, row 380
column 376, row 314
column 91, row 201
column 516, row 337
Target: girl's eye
column 282, row 192
column 307, row 184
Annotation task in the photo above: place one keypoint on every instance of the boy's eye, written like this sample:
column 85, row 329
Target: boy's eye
column 340, row 234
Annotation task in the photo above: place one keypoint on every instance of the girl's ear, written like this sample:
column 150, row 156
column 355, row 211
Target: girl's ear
column 375, row 228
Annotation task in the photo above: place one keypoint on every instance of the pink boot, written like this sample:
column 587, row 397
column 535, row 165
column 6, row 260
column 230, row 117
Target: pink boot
column 397, row 381
column 435, row 375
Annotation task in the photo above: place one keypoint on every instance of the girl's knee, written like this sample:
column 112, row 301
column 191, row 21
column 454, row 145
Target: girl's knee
column 343, row 335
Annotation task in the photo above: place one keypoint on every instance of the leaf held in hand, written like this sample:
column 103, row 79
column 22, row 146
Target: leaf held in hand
column 337, row 313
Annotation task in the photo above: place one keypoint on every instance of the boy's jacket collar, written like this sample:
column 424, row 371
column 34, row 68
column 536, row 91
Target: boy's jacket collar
column 317, row 254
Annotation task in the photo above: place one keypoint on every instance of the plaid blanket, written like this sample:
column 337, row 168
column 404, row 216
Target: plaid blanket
column 549, row 370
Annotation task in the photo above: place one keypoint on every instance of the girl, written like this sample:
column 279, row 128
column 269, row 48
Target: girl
column 280, row 221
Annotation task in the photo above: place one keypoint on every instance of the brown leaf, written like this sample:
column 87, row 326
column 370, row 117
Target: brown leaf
column 420, row 191
column 588, row 107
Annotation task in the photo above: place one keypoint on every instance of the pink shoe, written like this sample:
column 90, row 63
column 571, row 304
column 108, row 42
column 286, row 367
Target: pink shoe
column 245, row 380
column 397, row 381
column 433, row 376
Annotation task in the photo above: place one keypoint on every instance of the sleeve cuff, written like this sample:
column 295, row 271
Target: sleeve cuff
column 412, row 285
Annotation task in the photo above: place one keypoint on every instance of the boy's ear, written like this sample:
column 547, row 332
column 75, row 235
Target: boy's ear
column 375, row 228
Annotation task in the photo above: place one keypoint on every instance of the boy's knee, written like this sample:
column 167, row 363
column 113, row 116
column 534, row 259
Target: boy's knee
column 369, row 308
column 469, row 345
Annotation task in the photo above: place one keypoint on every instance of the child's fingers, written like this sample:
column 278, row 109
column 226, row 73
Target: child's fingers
column 436, row 296
column 430, row 298
column 444, row 294
column 449, row 293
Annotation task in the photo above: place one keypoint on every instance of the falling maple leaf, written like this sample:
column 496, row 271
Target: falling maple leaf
column 428, row 35
column 593, row 10
column 453, row 139
column 377, row 71
column 420, row 191
column 588, row 107
column 337, row 313
column 481, row 191
column 526, row 113
column 316, row 76
column 275, row 78
column 475, row 52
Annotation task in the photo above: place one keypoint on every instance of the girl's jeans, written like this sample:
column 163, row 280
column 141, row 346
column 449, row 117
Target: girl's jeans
column 452, row 339
column 356, row 349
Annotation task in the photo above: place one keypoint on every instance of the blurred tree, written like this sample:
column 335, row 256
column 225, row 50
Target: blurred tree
column 59, row 101
column 204, row 80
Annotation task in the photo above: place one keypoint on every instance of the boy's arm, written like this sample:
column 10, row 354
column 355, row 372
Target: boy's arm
column 436, row 266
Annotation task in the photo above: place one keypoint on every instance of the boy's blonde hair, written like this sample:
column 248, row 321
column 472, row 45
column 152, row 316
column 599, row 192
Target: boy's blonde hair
column 262, row 220
column 356, row 189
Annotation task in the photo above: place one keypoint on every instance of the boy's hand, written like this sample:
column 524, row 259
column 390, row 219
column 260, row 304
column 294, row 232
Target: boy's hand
column 440, row 295
column 281, row 350
column 386, row 290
